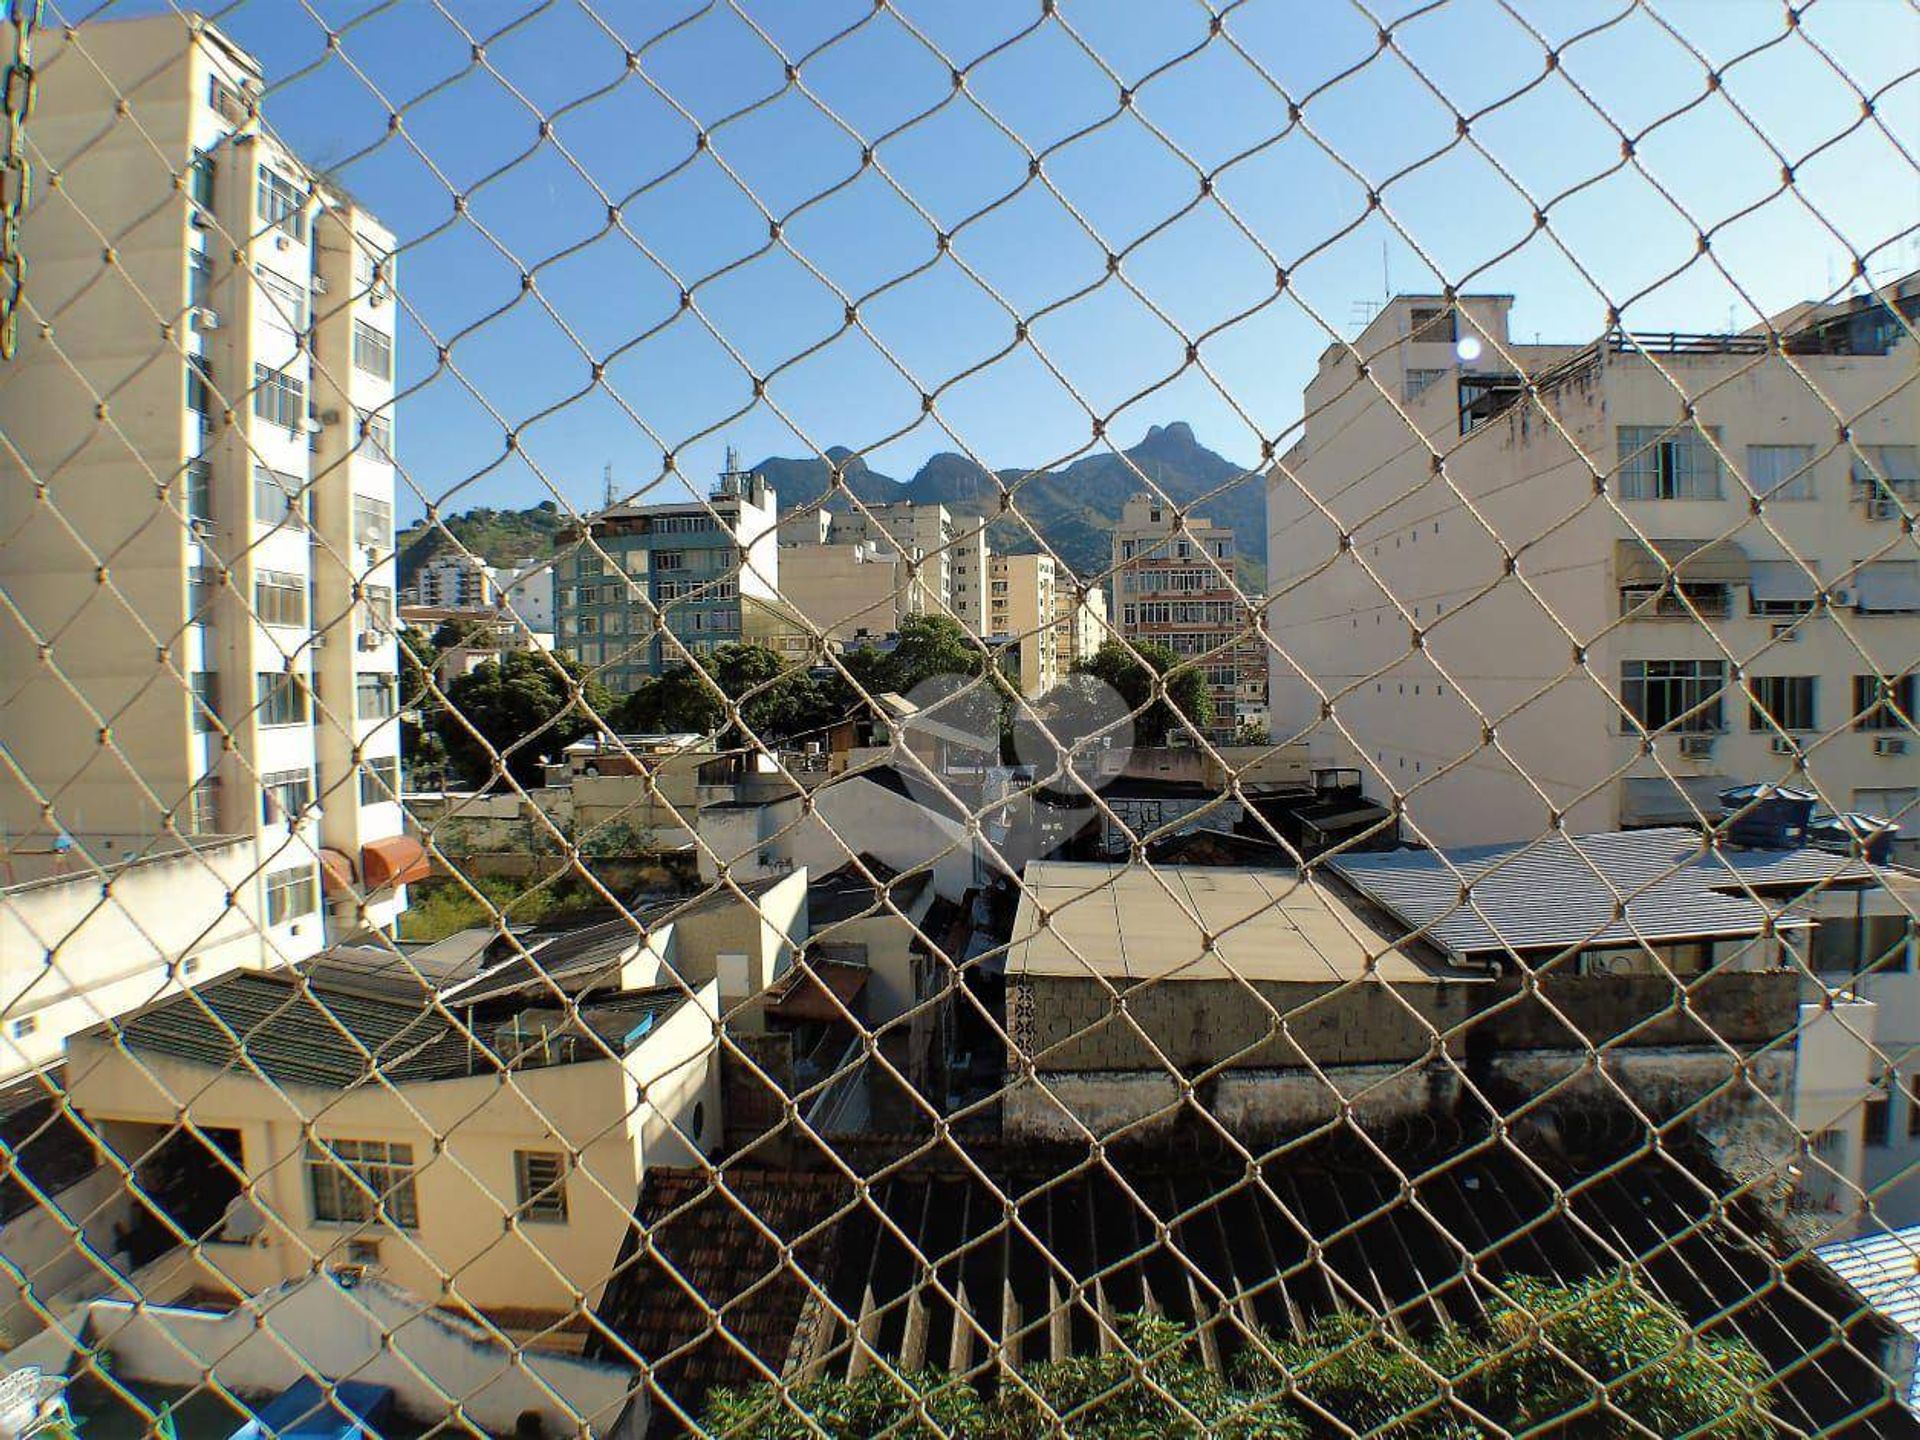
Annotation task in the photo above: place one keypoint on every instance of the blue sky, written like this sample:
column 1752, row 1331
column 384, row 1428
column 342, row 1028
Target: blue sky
column 696, row 217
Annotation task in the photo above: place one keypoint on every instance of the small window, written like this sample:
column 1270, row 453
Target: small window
column 200, row 395
column 1884, row 473
column 199, row 493
column 25, row 1026
column 362, row 1182
column 1682, row 695
column 199, row 280
column 279, row 398
column 376, row 695
column 277, row 499
column 372, row 350
column 1876, row 1115
column 1431, row 324
column 379, row 779
column 376, row 433
column 200, row 181
column 281, row 300
column 1884, row 704
column 1780, row 472
column 373, row 522
column 203, row 806
column 282, row 698
column 279, row 203
column 206, row 700
column 540, row 1185
column 1666, row 464
column 291, row 894
column 285, row 796
column 280, row 598
column 1783, row 701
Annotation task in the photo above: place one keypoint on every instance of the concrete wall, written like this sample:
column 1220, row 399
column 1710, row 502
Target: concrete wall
column 373, row 1333
column 44, row 1250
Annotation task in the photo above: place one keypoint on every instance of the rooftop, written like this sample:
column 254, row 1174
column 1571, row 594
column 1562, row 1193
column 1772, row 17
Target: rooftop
column 316, row 1034
column 1615, row 887
column 1141, row 923
column 847, row 894
column 52, row 857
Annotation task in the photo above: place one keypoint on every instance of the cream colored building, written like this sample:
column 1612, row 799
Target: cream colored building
column 853, row 593
column 1081, row 624
column 1741, row 591
column 235, row 672
column 948, row 551
column 1023, row 604
column 1176, row 584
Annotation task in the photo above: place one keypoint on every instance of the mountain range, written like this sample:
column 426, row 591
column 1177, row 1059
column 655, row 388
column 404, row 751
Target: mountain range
column 1074, row 507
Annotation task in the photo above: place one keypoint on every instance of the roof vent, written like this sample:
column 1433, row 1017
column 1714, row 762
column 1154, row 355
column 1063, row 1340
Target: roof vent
column 1766, row 817
column 1872, row 835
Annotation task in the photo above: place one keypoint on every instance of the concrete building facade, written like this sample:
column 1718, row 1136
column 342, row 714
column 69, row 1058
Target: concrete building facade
column 947, row 551
column 853, row 593
column 1644, row 607
column 1081, row 625
column 1175, row 584
column 1023, row 606
column 238, row 669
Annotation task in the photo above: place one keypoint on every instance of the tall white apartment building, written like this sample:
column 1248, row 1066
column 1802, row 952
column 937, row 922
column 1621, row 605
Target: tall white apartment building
column 1606, row 608
column 1023, row 605
column 197, row 497
column 455, row 580
column 1176, row 584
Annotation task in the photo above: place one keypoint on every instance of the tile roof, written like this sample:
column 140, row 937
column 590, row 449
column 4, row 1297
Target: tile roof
column 846, row 894
column 1561, row 890
column 317, row 1035
column 1884, row 1268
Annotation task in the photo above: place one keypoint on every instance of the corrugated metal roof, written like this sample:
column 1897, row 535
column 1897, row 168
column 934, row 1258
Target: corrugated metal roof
column 1560, row 890
column 1884, row 1268
column 316, row 1035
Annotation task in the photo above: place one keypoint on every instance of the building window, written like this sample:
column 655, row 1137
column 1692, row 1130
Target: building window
column 203, row 806
column 280, row 598
column 376, row 611
column 1891, row 802
column 206, row 700
column 669, row 560
column 200, row 397
column 277, row 499
column 1421, row 381
column 1780, row 472
column 372, row 350
column 1430, row 324
column 282, row 698
column 279, row 398
column 362, row 1182
column 1673, row 694
column 203, row 585
column 1662, row 464
column 540, row 1185
column 376, row 431
column 284, row 301
column 291, row 894
column 1882, row 474
column 200, row 181
column 379, row 779
column 1876, row 1115
column 375, row 696
column 199, row 280
column 285, row 796
column 199, row 493
column 1675, row 601
column 373, row 522
column 1783, row 701
column 279, row 203
column 1883, row 704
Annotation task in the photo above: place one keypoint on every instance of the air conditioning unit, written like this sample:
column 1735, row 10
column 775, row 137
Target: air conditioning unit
column 1788, row 634
column 1782, row 745
column 1890, row 745
column 205, row 319
column 1696, row 747
column 329, row 417
column 319, row 640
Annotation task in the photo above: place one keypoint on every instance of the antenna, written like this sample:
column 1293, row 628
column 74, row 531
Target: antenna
column 607, row 476
column 1386, row 274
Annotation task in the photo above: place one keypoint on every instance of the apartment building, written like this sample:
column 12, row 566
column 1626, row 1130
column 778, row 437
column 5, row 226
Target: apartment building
column 949, row 550
column 853, row 593
column 1080, row 623
column 456, row 580
column 705, row 573
column 1691, row 601
column 1175, row 583
column 205, row 585
column 1023, row 606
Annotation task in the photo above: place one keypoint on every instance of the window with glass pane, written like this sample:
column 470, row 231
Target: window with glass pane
column 376, row 611
column 199, row 279
column 372, row 522
column 203, row 585
column 200, row 397
column 280, row 597
column 285, row 795
column 1657, row 463
column 203, row 806
column 279, row 398
column 1885, row 471
column 372, row 350
column 1876, row 1114
column 200, row 180
column 282, row 699
column 376, row 696
column 1883, row 704
column 1780, row 472
column 199, row 492
column 362, row 1181
column 282, row 300
column 379, row 779
column 206, row 700
column 1680, row 695
column 280, row 203
column 1783, row 701
column 540, row 1185
column 277, row 498
column 377, row 433
column 291, row 894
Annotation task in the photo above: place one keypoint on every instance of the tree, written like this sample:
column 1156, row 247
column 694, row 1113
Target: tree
column 778, row 701
column 527, row 706
column 1134, row 679
column 420, row 744
column 931, row 645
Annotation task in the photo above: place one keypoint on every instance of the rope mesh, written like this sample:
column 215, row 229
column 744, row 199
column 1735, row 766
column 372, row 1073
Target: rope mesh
column 1407, row 930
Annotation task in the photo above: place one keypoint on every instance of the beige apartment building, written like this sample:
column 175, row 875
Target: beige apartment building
column 210, row 567
column 852, row 593
column 1080, row 624
column 949, row 550
column 1689, row 603
column 1023, row 605
column 1175, row 583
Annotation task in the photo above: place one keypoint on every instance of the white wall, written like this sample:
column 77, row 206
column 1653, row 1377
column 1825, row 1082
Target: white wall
column 45, row 1248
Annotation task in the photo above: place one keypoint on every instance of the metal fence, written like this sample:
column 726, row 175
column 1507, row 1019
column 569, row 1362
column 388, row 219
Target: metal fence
column 994, row 956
